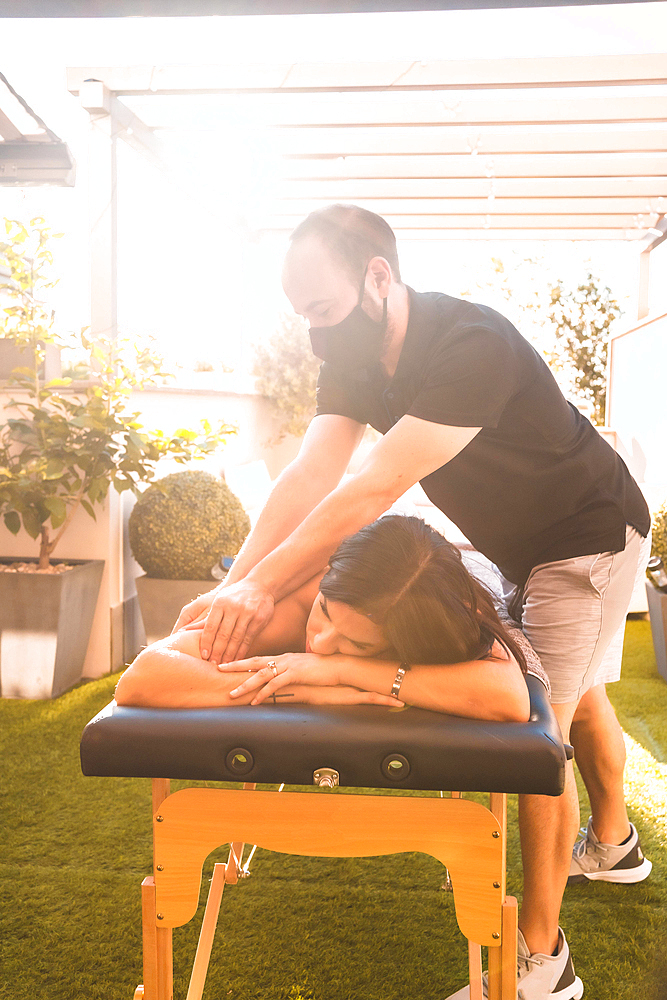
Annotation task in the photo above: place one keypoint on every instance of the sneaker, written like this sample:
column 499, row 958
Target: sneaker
column 596, row 862
column 540, row 977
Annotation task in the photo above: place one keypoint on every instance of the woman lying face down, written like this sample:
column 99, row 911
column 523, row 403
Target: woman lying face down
column 394, row 593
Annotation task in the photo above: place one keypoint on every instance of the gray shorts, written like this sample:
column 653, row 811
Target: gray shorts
column 574, row 614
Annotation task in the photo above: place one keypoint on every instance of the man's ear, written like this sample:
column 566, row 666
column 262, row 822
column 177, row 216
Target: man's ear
column 380, row 270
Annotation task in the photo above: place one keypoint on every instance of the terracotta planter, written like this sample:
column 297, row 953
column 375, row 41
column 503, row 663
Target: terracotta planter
column 657, row 610
column 45, row 623
column 161, row 602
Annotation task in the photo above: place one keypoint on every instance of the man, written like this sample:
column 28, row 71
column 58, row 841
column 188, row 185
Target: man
column 469, row 409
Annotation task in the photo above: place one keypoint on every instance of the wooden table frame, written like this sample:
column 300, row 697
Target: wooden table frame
column 187, row 825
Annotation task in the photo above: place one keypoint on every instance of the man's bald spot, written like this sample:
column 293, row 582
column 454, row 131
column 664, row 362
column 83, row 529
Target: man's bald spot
column 310, row 246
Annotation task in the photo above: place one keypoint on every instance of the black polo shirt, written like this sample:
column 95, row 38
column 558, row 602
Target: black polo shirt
column 538, row 483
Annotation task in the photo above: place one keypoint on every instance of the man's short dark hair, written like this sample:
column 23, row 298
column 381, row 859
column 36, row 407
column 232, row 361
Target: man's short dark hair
column 354, row 235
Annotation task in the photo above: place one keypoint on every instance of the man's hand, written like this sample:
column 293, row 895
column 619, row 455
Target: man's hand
column 195, row 612
column 235, row 615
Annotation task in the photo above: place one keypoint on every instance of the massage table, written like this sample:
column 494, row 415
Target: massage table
column 359, row 746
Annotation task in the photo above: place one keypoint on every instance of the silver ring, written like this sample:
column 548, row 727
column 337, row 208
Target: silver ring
column 274, row 667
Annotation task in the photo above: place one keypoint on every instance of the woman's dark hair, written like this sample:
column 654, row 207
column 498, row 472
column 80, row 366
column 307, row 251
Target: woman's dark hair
column 410, row 581
column 354, row 235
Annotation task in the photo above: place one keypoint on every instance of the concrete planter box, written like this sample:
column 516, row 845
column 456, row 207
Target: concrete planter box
column 161, row 602
column 45, row 623
column 657, row 610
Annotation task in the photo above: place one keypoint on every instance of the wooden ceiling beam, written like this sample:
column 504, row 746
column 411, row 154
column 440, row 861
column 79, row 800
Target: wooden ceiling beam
column 461, row 140
column 443, row 187
column 478, row 74
column 497, row 221
column 505, row 206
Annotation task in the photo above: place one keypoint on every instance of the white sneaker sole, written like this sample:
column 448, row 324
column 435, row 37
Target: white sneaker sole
column 624, row 875
column 573, row 992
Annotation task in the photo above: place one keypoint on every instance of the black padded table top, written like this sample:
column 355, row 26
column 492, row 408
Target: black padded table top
column 287, row 743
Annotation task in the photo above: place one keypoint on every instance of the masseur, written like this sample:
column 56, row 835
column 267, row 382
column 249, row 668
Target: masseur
column 469, row 409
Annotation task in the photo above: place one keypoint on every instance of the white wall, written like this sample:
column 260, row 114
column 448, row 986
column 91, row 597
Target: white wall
column 637, row 403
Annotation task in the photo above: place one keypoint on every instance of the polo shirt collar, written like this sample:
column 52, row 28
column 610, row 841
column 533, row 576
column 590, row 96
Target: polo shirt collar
column 416, row 338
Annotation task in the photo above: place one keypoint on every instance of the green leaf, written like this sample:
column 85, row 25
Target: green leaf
column 32, row 522
column 57, row 382
column 88, row 509
column 13, row 522
column 58, row 510
column 54, row 469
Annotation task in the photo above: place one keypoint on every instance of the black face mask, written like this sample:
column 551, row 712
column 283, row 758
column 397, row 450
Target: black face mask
column 355, row 342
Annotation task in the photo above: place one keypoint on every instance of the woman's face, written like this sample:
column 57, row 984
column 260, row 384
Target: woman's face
column 333, row 627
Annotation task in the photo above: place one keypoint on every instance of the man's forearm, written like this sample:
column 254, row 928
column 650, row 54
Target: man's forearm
column 344, row 511
column 293, row 497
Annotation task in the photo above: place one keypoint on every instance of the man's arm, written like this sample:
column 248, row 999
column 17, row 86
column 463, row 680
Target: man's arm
column 411, row 450
column 325, row 453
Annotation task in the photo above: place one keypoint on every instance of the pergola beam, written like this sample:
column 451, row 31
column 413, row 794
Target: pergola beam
column 493, row 220
column 642, row 168
column 459, row 140
column 637, row 207
column 470, row 74
column 443, row 187
column 493, row 233
column 96, row 98
column 477, row 187
column 356, row 111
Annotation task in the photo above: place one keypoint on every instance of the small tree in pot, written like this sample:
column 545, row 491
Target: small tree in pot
column 656, row 594
column 61, row 449
column 180, row 529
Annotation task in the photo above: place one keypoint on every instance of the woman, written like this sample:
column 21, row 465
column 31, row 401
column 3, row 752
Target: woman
column 395, row 613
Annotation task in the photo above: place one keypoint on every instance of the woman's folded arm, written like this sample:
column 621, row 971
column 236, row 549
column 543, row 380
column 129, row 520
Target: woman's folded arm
column 168, row 675
column 493, row 689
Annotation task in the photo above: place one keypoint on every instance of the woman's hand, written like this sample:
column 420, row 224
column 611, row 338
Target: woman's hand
column 269, row 674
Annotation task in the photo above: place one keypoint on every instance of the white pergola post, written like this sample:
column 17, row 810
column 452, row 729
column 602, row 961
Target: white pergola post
column 103, row 213
column 103, row 208
column 644, row 281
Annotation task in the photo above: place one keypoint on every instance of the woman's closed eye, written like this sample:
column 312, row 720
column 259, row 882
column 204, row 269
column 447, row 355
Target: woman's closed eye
column 358, row 645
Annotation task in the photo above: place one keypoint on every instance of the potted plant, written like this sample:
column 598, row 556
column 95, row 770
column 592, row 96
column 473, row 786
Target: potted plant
column 656, row 589
column 24, row 279
column 181, row 530
column 61, row 447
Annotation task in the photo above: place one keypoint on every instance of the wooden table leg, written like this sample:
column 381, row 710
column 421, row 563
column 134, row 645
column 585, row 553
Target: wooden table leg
column 158, row 966
column 508, row 949
column 475, row 970
column 209, row 923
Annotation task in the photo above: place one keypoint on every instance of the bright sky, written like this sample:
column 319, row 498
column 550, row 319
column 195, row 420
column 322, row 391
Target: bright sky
column 180, row 278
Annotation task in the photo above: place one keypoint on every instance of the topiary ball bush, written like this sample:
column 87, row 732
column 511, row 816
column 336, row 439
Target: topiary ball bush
column 183, row 524
column 659, row 546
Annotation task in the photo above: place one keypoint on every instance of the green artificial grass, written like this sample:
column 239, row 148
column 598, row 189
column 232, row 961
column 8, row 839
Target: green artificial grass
column 74, row 852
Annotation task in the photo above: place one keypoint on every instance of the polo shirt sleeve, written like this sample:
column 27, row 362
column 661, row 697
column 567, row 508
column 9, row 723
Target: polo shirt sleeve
column 335, row 394
column 469, row 377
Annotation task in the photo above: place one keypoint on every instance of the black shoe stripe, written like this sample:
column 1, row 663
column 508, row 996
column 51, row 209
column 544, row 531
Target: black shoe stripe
column 631, row 860
column 567, row 976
